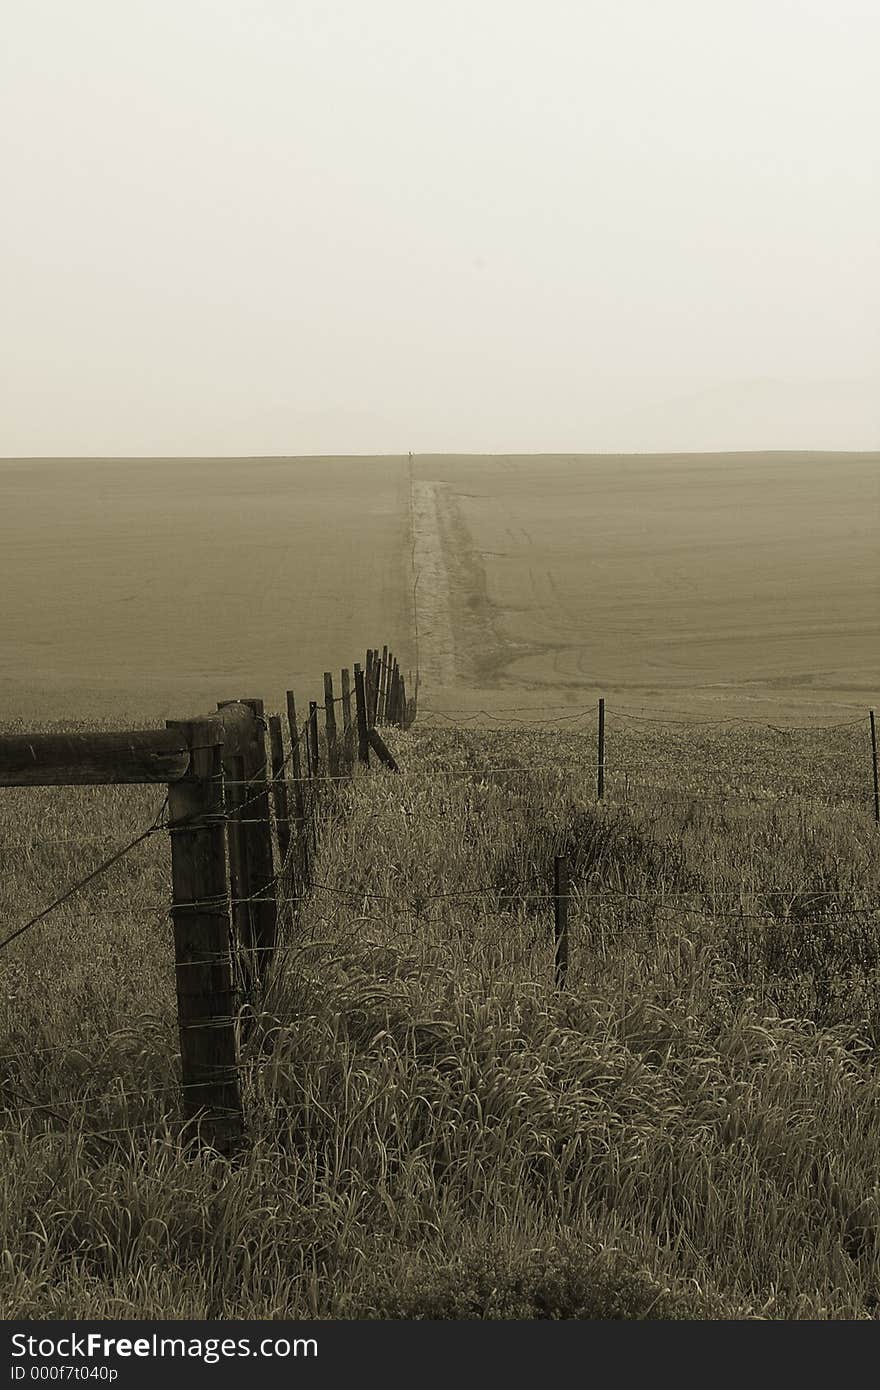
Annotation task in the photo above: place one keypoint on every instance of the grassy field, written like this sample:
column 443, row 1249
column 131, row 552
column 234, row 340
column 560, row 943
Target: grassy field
column 690, row 1130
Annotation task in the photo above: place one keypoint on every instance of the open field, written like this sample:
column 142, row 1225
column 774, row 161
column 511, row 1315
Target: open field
column 743, row 583
column 154, row 587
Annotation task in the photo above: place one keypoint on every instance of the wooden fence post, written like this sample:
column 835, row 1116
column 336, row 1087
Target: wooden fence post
column 874, row 764
column 279, row 786
column 360, row 700
column 600, row 770
column 347, row 722
column 391, row 716
column 244, row 928
column 330, row 720
column 299, row 800
column 370, row 685
column 257, row 827
column 560, row 906
column 383, row 687
column 314, row 762
column 402, row 695
column 200, row 914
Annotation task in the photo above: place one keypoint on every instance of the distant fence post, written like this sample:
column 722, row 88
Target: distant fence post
column 347, row 722
column 200, row 914
column 330, row 720
column 279, row 786
column 874, row 767
column 371, row 686
column 383, row 687
column 560, row 907
column 360, row 700
column 299, row 800
column 600, row 769
column 402, row 703
column 313, row 738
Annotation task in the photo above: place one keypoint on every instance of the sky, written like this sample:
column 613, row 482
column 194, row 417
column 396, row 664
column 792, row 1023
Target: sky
column 340, row 226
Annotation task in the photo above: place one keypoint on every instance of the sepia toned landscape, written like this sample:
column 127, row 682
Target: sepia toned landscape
column 439, row 682
column 452, row 1105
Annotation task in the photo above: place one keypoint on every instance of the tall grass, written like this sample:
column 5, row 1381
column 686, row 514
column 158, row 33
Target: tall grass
column 692, row 1129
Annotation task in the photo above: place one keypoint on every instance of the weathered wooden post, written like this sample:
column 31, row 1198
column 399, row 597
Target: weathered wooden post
column 383, row 687
column 360, row 700
column 330, row 720
column 314, row 762
column 299, row 799
column 369, row 682
column 203, row 964
column 874, row 766
column 373, row 690
column 560, row 906
column 600, row 770
column 391, row 699
column 254, row 814
column 347, row 722
column 279, row 786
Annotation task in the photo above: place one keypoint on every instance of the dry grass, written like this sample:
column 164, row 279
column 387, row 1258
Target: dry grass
column 691, row 1130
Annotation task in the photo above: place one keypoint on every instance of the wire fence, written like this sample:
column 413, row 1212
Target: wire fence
column 518, row 920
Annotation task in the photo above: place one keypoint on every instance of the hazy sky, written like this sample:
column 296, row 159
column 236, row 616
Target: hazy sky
column 291, row 226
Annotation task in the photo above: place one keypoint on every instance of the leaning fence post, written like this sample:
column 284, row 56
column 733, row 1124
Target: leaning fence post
column 279, row 786
column 360, row 701
column 330, row 720
column 874, row 766
column 560, row 907
column 381, row 749
column 200, row 915
column 600, row 769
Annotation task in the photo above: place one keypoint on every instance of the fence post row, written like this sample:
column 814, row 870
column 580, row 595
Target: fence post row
column 203, row 964
column 600, row 768
column 220, row 803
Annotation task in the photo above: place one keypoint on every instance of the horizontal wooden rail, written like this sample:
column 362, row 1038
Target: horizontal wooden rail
column 98, row 759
